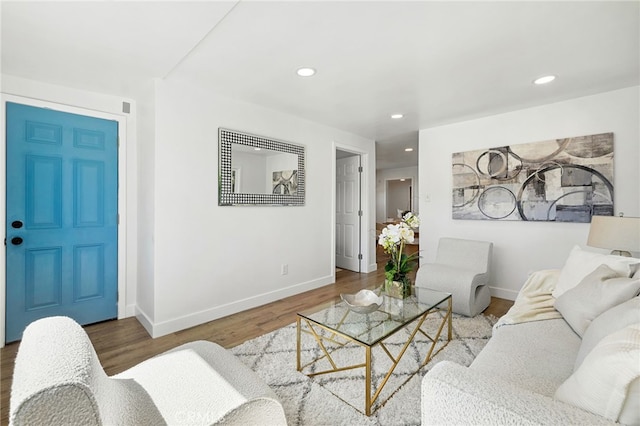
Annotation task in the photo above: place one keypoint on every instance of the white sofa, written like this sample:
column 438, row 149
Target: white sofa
column 58, row 380
column 536, row 369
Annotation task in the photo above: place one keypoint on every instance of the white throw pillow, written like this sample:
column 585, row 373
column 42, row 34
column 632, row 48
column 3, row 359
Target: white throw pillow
column 581, row 263
column 599, row 291
column 610, row 321
column 602, row 384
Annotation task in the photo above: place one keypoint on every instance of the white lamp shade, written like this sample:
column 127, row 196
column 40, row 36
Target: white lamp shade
column 615, row 233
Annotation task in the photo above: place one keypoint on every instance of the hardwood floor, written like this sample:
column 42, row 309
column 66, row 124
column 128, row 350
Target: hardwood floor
column 123, row 343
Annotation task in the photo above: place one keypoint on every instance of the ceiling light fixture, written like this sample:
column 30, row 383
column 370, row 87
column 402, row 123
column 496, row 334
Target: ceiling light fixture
column 396, row 116
column 544, row 80
column 305, row 72
column 408, row 149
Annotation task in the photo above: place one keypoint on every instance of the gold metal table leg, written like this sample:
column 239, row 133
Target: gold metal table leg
column 367, row 380
column 450, row 314
column 298, row 330
column 396, row 359
column 369, row 400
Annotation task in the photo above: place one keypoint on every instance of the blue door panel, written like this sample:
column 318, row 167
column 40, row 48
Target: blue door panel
column 45, row 133
column 89, row 139
column 89, row 193
column 43, row 192
column 62, row 181
column 43, row 280
column 88, row 277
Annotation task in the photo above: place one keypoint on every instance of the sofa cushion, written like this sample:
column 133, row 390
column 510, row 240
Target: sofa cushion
column 537, row 355
column 456, row 395
column 603, row 381
column 608, row 322
column 581, row 263
column 599, row 291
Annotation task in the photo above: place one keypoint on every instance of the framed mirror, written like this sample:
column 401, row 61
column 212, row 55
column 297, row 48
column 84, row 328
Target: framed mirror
column 255, row 170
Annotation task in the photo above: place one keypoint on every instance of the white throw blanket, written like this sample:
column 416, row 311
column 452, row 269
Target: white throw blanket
column 534, row 302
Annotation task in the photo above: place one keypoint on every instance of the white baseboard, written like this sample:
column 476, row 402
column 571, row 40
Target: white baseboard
column 371, row 268
column 143, row 319
column 171, row 326
column 503, row 293
column 129, row 311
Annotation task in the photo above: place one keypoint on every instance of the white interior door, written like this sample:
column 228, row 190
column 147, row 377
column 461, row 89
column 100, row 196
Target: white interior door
column 348, row 213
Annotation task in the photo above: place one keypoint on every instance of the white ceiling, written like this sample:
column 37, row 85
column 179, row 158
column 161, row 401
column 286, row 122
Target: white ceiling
column 435, row 62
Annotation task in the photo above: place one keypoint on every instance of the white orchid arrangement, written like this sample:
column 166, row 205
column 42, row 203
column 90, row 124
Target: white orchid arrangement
column 393, row 239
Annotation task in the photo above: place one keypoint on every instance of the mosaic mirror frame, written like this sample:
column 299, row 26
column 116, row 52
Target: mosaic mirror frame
column 226, row 194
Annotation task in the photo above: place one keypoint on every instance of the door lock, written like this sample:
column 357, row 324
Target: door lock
column 16, row 241
column 16, row 224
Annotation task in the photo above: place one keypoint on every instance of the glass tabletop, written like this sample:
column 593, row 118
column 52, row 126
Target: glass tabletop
column 371, row 328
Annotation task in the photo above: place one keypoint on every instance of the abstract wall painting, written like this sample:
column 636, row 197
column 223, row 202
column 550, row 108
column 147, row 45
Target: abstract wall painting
column 560, row 180
column 285, row 182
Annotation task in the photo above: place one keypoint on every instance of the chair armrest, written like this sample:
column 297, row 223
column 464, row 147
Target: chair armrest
column 204, row 383
column 453, row 394
column 258, row 411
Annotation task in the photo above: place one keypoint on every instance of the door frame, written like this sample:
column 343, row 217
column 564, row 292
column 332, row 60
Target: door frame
column 365, row 182
column 122, row 185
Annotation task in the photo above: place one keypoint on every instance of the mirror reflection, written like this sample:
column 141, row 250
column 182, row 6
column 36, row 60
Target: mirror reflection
column 263, row 171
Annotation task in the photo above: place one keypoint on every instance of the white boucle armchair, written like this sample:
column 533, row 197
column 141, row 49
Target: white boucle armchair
column 462, row 268
column 58, row 380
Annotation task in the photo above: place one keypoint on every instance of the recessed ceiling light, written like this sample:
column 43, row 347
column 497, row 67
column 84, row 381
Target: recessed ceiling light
column 408, row 149
column 257, row 149
column 305, row 72
column 544, row 80
column 396, row 116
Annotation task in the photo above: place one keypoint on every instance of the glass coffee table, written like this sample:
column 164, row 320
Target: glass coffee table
column 333, row 326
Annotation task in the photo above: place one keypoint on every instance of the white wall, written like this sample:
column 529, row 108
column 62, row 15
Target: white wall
column 145, row 168
column 381, row 188
column 211, row 261
column 522, row 247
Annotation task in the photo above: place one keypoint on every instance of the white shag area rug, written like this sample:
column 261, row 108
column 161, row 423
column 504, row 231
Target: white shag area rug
column 338, row 398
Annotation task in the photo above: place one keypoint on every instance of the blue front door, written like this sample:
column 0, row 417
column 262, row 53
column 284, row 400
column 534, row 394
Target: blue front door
column 62, row 223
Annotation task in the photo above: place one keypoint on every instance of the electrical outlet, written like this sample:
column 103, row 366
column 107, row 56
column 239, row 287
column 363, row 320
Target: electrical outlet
column 285, row 269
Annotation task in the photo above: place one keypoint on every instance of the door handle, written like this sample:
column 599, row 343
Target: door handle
column 16, row 241
column 16, row 224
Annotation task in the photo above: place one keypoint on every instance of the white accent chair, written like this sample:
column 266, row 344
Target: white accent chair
column 462, row 268
column 58, row 380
